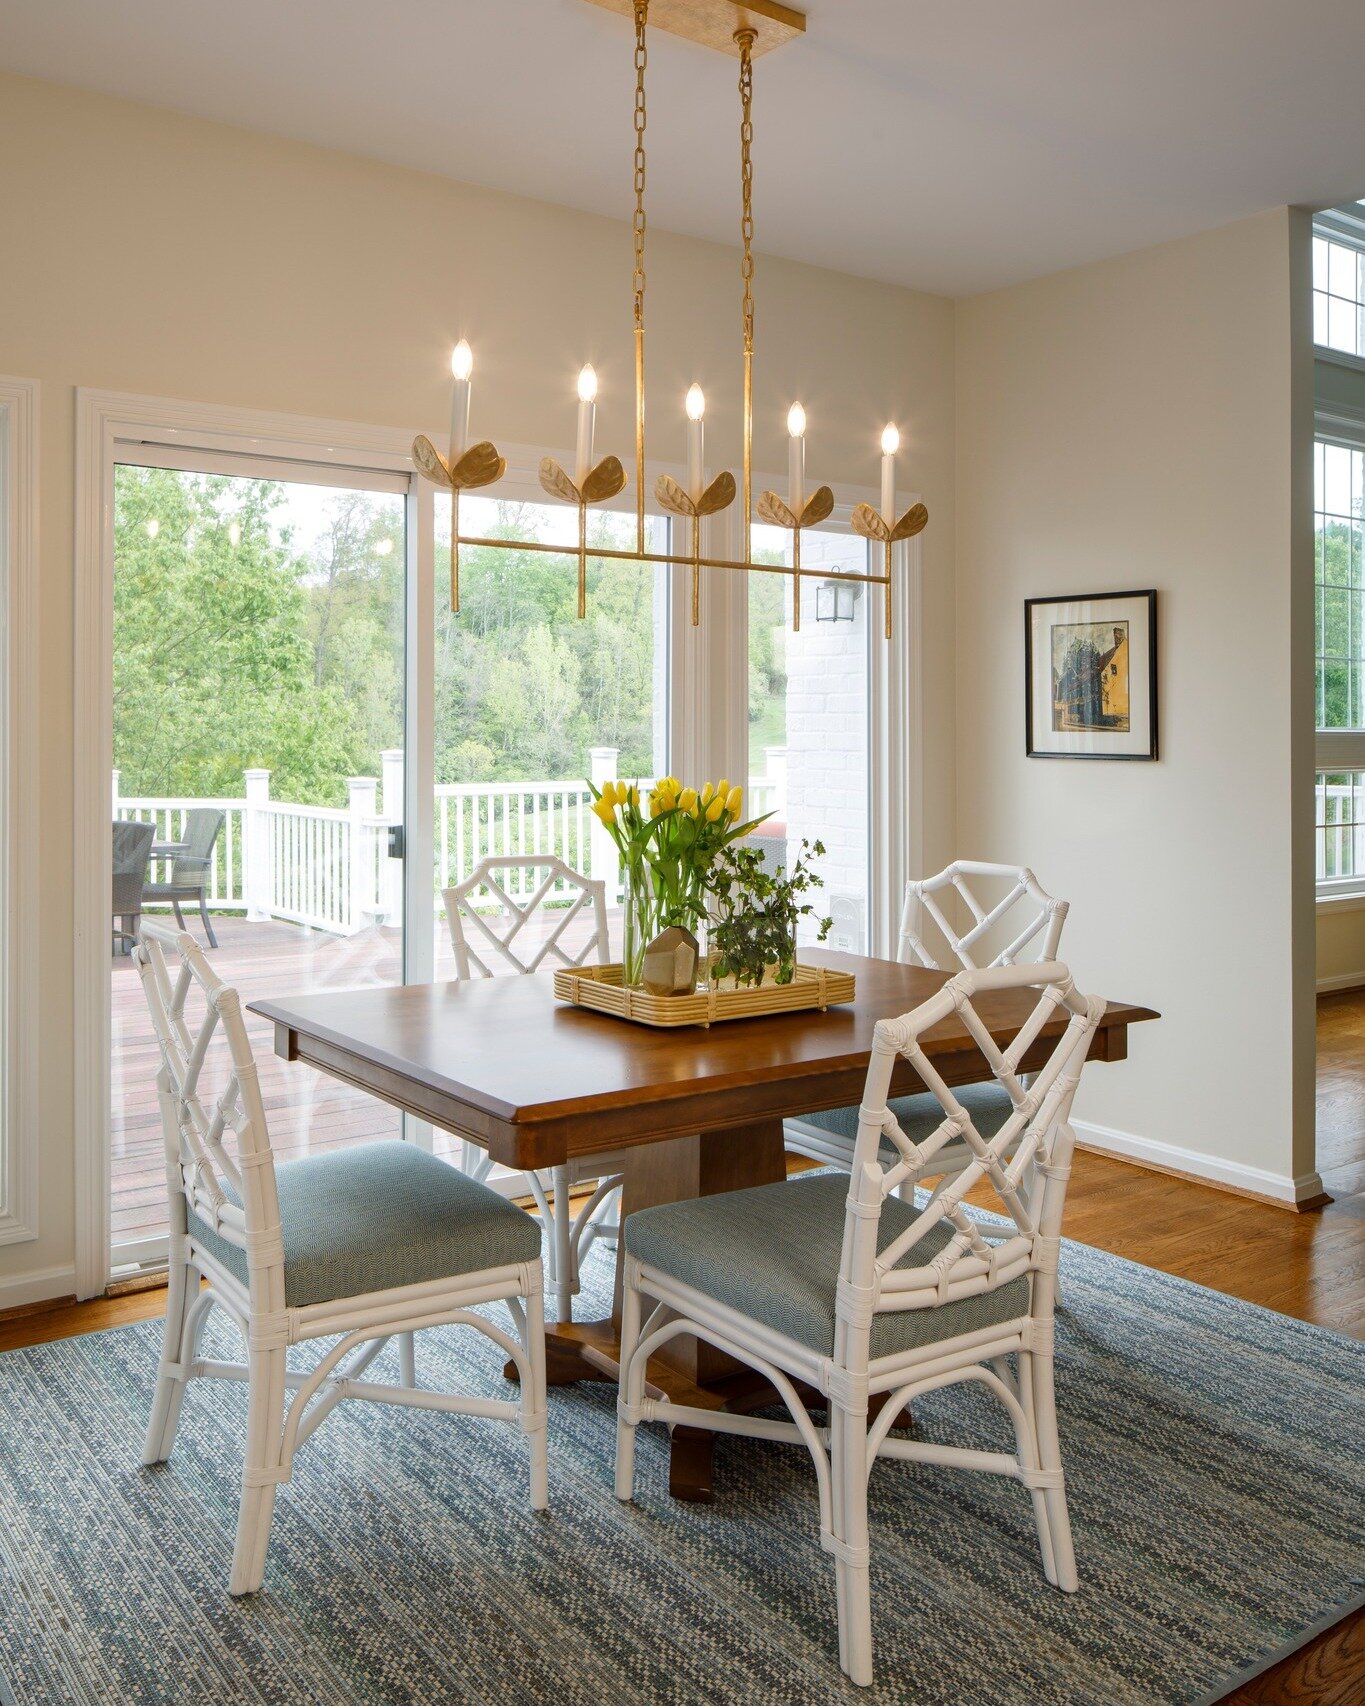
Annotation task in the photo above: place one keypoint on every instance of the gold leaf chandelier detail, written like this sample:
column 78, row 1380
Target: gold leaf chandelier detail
column 761, row 24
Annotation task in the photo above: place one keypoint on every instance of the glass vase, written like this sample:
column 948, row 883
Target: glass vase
column 641, row 922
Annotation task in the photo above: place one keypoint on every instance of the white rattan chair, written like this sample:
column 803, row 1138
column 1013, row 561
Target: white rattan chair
column 842, row 1286
column 1024, row 920
column 486, row 940
column 356, row 1245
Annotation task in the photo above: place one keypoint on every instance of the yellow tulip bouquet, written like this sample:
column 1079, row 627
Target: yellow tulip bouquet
column 668, row 841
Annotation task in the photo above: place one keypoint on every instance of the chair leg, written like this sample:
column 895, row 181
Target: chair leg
column 853, row 1583
column 561, row 1231
column 179, row 915
column 407, row 1360
column 534, row 1401
column 204, row 915
column 263, row 1470
column 182, row 1288
column 1039, row 1374
column 631, row 1383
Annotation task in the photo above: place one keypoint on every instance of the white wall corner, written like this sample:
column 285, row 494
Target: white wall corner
column 19, row 1151
column 1276, row 1187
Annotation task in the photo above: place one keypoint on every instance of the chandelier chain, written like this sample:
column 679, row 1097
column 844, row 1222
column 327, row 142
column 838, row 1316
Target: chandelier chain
column 746, row 137
column 638, row 224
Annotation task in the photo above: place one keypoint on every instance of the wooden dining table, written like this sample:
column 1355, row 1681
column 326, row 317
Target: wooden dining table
column 692, row 1111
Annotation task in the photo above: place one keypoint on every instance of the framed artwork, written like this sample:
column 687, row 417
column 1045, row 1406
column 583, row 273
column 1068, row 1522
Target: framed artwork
column 1090, row 676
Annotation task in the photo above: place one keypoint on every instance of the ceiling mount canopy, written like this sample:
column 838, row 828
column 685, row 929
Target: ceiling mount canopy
column 736, row 28
column 714, row 23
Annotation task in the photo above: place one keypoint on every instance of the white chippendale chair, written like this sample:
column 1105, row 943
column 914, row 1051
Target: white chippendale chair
column 1028, row 918
column 356, row 1245
column 840, row 1284
column 481, row 940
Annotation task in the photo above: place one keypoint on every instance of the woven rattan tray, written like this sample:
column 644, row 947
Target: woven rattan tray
column 600, row 988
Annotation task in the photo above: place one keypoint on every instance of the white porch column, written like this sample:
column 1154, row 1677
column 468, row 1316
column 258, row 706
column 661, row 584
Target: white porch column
column 257, row 887
column 361, row 810
column 775, row 758
column 391, row 881
column 604, row 861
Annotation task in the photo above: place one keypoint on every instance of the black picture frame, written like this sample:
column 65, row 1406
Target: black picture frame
column 1103, row 738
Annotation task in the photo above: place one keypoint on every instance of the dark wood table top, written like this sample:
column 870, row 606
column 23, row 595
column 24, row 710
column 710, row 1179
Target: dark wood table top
column 536, row 1081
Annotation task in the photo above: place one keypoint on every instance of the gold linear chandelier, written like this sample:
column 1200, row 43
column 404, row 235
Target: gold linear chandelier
column 747, row 27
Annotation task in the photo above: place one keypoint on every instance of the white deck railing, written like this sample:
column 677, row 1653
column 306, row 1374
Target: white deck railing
column 330, row 868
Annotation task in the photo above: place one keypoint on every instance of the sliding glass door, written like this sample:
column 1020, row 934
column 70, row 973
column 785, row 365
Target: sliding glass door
column 258, row 782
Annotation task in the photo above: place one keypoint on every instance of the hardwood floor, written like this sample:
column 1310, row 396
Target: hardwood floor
column 1307, row 1265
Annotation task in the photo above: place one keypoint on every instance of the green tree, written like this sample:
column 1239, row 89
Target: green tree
column 212, row 667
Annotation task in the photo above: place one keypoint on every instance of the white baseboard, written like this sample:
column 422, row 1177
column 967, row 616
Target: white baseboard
column 37, row 1286
column 1345, row 980
column 1194, row 1164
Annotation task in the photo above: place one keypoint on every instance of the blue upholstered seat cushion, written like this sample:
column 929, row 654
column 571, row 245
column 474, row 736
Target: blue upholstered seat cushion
column 773, row 1254
column 382, row 1215
column 917, row 1116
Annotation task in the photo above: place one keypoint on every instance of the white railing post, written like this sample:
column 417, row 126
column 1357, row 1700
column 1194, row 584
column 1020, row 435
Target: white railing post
column 392, row 812
column 257, row 884
column 361, row 810
column 117, row 780
column 775, row 758
column 605, row 862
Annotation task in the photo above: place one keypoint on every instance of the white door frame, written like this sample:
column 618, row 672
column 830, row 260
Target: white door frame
column 19, row 812
column 105, row 420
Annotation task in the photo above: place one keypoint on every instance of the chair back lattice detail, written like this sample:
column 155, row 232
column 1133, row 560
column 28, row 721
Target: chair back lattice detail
column 1045, row 919
column 499, row 935
column 232, row 1189
column 1027, row 1161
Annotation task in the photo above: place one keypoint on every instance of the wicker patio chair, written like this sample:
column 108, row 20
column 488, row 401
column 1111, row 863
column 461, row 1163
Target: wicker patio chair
column 841, row 1286
column 356, row 1245
column 132, row 849
column 192, row 870
column 481, row 940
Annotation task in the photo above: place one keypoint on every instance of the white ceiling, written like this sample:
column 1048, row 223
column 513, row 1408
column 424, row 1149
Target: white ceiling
column 954, row 145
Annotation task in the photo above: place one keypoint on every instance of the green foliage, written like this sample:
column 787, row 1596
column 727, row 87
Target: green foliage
column 213, row 670
column 234, row 649
column 757, row 911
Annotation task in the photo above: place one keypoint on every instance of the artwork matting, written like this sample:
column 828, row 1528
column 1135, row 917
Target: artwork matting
column 1090, row 681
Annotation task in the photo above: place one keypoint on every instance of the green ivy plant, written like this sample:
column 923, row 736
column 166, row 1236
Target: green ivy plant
column 756, row 910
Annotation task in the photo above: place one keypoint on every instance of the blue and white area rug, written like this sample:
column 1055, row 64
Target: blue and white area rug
column 1216, row 1468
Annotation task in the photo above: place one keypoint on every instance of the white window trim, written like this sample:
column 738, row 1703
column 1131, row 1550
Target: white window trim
column 19, row 1152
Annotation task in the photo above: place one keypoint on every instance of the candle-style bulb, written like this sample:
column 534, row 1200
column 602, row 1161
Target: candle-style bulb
column 796, row 421
column 461, row 360
column 695, row 403
column 587, row 383
column 891, row 440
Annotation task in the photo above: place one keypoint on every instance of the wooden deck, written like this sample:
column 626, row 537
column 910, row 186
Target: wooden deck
column 308, row 1112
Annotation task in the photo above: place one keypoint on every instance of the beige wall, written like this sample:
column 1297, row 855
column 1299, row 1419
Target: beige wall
column 1341, row 945
column 1144, row 422
column 152, row 253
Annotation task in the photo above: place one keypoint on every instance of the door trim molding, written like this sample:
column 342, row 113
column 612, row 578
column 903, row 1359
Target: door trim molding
column 19, row 498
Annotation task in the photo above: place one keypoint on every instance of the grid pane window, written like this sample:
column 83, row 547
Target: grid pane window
column 1339, row 503
column 1339, row 294
column 1339, row 499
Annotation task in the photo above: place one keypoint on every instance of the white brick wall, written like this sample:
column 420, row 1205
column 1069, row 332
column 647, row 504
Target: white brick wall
column 827, row 741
